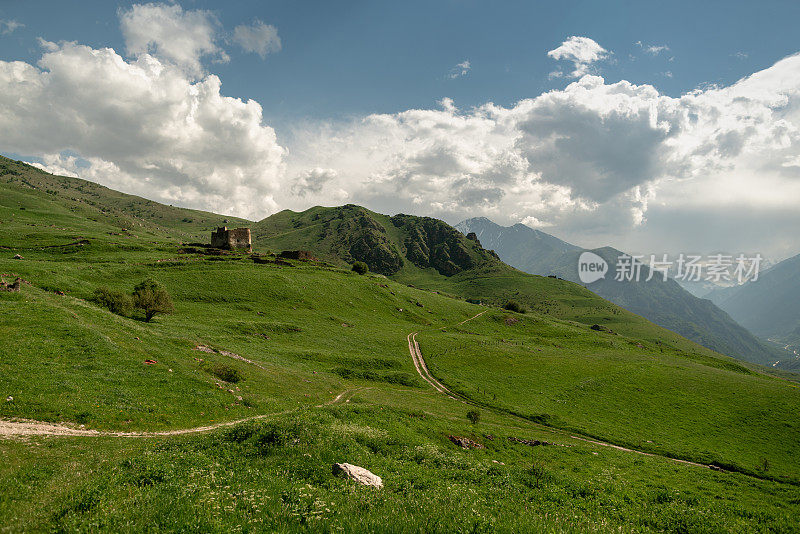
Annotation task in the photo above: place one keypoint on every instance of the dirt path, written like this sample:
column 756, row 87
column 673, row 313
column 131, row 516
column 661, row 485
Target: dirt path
column 27, row 427
column 343, row 397
column 471, row 318
column 422, row 369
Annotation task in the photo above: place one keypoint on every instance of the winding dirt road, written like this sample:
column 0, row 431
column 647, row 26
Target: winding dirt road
column 422, row 370
column 26, row 427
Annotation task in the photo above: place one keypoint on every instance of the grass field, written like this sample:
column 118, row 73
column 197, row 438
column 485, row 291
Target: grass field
column 299, row 335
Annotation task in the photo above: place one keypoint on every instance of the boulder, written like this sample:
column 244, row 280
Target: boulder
column 465, row 443
column 359, row 474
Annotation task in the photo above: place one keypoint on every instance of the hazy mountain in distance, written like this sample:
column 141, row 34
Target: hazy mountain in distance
column 768, row 307
column 518, row 245
column 663, row 302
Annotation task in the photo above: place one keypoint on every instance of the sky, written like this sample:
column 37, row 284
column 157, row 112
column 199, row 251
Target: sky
column 652, row 127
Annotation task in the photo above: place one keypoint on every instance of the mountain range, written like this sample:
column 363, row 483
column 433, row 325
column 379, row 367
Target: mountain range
column 664, row 302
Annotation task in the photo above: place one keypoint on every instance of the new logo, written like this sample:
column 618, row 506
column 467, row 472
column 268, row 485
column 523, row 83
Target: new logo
column 591, row 267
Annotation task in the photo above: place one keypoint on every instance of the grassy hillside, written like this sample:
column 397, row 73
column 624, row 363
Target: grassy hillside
column 664, row 302
column 479, row 275
column 324, row 365
column 83, row 203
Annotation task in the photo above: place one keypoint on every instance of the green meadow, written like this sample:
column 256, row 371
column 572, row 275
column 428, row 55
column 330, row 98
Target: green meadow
column 309, row 362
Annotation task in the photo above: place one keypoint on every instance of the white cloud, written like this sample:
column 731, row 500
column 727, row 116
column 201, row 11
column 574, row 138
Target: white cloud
column 172, row 35
column 582, row 52
column 312, row 181
column 593, row 159
column 461, row 69
column 141, row 126
column 652, row 50
column 258, row 38
column 9, row 26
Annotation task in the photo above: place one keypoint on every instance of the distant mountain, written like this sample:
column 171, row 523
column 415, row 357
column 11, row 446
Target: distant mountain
column 664, row 302
column 518, row 245
column 768, row 307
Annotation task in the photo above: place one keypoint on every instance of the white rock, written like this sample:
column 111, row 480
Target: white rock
column 359, row 474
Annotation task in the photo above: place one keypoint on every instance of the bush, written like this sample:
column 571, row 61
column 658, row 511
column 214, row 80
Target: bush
column 150, row 297
column 474, row 416
column 513, row 305
column 226, row 373
column 115, row 301
column 360, row 267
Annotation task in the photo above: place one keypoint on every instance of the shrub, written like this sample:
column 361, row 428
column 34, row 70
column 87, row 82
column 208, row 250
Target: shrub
column 474, row 416
column 513, row 305
column 150, row 297
column 115, row 301
column 360, row 267
column 226, row 373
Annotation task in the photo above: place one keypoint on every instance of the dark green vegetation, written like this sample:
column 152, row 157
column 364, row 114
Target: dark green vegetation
column 664, row 302
column 151, row 297
column 360, row 267
column 321, row 352
column 513, row 305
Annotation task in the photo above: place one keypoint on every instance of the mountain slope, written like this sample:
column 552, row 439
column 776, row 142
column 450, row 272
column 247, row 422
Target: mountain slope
column 770, row 306
column 325, row 376
column 76, row 199
column 518, row 245
column 663, row 302
column 430, row 254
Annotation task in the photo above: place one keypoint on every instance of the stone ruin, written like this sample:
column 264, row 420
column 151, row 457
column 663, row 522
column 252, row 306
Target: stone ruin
column 233, row 239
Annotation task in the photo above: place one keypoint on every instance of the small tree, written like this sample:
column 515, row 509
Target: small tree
column 115, row 301
column 360, row 267
column 474, row 416
column 151, row 297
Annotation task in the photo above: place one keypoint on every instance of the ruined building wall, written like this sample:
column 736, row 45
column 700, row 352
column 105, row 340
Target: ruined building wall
column 236, row 238
column 239, row 238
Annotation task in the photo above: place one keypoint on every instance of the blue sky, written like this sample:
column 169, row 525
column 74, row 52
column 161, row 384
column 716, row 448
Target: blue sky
column 685, row 114
column 351, row 58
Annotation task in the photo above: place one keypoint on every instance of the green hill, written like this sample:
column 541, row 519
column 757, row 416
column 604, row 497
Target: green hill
column 316, row 359
column 664, row 302
column 430, row 254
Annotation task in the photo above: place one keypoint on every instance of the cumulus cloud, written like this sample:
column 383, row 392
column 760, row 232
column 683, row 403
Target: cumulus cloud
column 594, row 157
column 312, row 181
column 461, row 69
column 171, row 34
column 582, row 52
column 9, row 26
column 142, row 126
column 258, row 38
